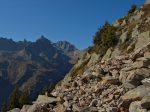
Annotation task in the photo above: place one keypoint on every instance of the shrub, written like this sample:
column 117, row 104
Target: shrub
column 18, row 99
column 24, row 98
column 132, row 9
column 104, row 38
column 4, row 107
column 14, row 98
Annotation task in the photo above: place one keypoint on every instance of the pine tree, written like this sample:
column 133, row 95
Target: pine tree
column 105, row 38
column 132, row 9
column 4, row 107
column 14, row 98
column 24, row 98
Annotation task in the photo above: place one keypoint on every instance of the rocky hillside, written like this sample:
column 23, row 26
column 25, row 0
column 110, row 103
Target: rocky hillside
column 113, row 78
column 32, row 65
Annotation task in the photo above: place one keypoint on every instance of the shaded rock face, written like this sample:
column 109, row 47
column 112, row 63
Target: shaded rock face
column 31, row 65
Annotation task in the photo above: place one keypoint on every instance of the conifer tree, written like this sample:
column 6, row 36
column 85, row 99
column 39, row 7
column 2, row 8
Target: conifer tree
column 4, row 107
column 24, row 98
column 14, row 98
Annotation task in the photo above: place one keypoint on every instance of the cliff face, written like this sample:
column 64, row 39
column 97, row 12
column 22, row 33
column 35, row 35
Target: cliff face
column 117, row 82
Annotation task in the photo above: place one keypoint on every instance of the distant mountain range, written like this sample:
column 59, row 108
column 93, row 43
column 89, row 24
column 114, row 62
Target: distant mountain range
column 34, row 65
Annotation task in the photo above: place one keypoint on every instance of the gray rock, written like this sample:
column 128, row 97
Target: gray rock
column 141, row 64
column 59, row 108
column 134, row 76
column 107, row 56
column 93, row 103
column 123, row 37
column 143, row 39
column 147, row 55
column 136, row 107
column 145, row 102
column 128, row 85
column 76, row 108
column 115, row 73
column 116, row 24
column 66, row 104
column 15, row 110
column 25, row 108
column 45, row 99
column 146, row 82
column 111, row 80
column 124, row 22
column 38, row 108
column 133, row 95
column 137, row 16
column 90, row 109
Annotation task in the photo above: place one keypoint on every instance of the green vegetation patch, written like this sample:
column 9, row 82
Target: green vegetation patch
column 104, row 38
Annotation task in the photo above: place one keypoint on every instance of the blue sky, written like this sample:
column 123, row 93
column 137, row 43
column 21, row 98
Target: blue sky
column 73, row 20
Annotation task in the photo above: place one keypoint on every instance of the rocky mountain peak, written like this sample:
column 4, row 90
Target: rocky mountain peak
column 66, row 46
column 43, row 40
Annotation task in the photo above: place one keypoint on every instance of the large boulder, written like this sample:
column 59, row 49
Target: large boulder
column 143, row 39
column 134, row 76
column 136, row 107
column 143, row 63
column 134, row 95
column 45, row 99
column 107, row 56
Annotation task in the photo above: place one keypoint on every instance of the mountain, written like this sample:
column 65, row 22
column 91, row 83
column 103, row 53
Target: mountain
column 32, row 65
column 111, row 76
column 69, row 50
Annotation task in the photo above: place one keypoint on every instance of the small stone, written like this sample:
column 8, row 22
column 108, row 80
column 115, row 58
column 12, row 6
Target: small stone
column 93, row 103
column 66, row 104
column 76, row 108
column 112, row 109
